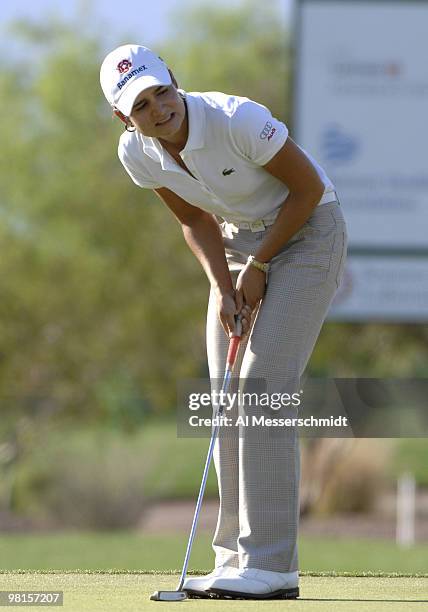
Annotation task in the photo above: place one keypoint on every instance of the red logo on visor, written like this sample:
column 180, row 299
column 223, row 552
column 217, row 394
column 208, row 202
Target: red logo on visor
column 124, row 66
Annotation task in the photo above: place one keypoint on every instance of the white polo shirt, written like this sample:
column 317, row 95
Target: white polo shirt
column 230, row 139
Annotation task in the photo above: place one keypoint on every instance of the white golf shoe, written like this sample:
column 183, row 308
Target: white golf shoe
column 197, row 586
column 250, row 583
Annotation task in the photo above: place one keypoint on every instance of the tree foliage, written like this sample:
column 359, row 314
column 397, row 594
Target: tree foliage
column 242, row 49
column 100, row 295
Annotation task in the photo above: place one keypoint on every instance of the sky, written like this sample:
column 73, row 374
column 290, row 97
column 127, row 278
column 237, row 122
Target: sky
column 148, row 19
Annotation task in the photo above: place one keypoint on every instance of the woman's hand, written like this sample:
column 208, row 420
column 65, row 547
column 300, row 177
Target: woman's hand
column 228, row 307
column 250, row 286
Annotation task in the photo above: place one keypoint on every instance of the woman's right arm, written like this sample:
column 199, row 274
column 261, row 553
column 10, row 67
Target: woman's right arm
column 203, row 235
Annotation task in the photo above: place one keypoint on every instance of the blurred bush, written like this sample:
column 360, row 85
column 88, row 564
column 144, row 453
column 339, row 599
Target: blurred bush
column 103, row 478
column 92, row 480
column 343, row 474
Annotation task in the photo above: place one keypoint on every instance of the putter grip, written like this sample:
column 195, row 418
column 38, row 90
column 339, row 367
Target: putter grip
column 234, row 345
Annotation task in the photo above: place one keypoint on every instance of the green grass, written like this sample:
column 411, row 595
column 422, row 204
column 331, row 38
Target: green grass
column 131, row 592
column 132, row 551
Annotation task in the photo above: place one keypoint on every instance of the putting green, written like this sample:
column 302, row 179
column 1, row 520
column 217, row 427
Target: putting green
column 130, row 592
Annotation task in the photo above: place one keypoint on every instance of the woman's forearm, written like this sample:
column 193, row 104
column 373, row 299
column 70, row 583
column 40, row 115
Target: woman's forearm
column 205, row 240
column 293, row 215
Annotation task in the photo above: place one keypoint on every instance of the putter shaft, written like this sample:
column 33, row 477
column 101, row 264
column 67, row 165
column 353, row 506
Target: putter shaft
column 230, row 362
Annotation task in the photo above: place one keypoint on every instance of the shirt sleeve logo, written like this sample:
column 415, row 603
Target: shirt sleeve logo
column 123, row 66
column 272, row 132
column 268, row 131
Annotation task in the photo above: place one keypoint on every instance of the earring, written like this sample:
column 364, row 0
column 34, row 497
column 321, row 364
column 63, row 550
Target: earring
column 124, row 120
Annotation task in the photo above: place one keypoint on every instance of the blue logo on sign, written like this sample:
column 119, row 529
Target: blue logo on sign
column 338, row 146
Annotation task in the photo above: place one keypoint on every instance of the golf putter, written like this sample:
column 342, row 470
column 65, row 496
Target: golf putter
column 179, row 594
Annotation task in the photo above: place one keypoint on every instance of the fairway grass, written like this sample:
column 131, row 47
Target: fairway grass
column 102, row 592
column 132, row 551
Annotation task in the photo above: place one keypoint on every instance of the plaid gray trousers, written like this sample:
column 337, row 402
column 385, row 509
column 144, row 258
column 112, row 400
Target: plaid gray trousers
column 258, row 468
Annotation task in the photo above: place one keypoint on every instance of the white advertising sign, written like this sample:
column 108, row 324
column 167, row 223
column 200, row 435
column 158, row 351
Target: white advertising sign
column 361, row 109
column 383, row 289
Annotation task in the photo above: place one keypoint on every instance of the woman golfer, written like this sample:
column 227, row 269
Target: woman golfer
column 276, row 259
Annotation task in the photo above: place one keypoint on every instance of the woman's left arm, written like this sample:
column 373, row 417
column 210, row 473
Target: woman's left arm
column 291, row 166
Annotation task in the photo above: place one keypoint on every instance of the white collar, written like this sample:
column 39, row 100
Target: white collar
column 197, row 122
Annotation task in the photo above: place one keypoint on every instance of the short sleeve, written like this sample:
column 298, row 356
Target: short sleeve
column 256, row 133
column 135, row 168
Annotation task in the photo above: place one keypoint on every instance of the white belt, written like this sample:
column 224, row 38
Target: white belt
column 261, row 224
column 330, row 196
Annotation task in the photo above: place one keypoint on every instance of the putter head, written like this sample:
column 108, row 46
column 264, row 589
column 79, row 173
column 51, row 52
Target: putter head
column 169, row 596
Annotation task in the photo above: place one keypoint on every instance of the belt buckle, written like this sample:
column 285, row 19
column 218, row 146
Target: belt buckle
column 257, row 226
